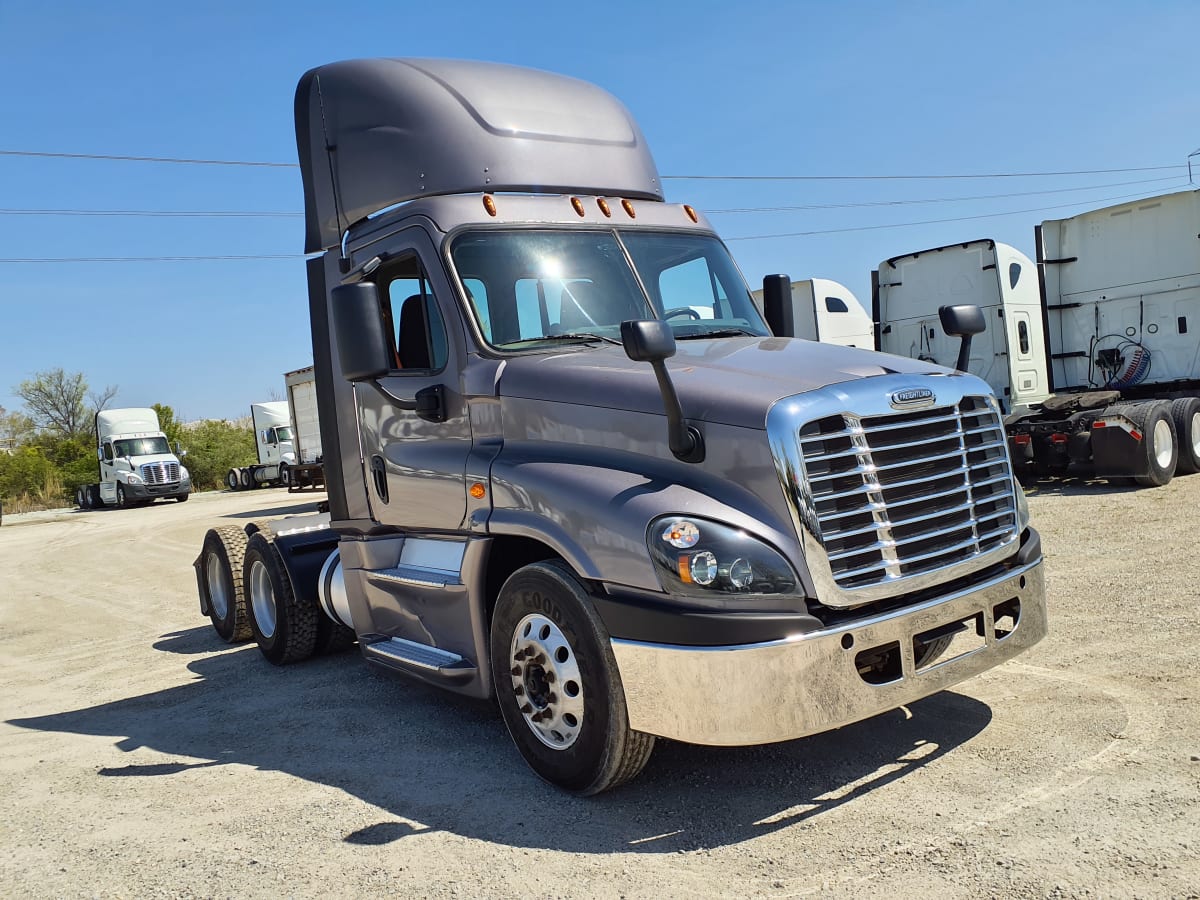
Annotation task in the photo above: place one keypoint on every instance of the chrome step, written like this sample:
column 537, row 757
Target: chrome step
column 393, row 651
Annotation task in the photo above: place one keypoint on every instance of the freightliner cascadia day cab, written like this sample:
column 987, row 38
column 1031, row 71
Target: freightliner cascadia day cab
column 826, row 311
column 137, row 465
column 1094, row 351
column 569, row 467
column 272, row 426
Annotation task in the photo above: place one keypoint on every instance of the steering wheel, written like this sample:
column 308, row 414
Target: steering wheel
column 681, row 311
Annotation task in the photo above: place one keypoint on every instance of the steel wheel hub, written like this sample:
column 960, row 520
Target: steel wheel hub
column 262, row 598
column 546, row 681
column 219, row 587
column 1163, row 442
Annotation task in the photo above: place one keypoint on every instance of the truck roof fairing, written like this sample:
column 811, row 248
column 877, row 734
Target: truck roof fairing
column 372, row 133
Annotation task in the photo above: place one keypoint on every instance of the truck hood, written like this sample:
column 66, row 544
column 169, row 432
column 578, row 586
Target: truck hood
column 136, row 461
column 730, row 381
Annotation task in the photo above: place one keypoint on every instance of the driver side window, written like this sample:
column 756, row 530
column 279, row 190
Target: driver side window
column 415, row 322
column 108, row 452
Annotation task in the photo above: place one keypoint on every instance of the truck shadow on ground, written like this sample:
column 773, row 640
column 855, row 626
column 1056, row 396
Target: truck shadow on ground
column 433, row 761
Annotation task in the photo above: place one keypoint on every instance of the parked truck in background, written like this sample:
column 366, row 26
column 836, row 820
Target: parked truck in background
column 136, row 462
column 272, row 426
column 824, row 310
column 570, row 468
column 307, row 469
column 1095, row 350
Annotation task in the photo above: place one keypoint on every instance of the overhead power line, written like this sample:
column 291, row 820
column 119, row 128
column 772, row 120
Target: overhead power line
column 1014, row 212
column 288, row 165
column 283, row 214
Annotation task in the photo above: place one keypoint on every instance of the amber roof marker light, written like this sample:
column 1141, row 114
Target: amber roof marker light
column 489, row 203
column 628, row 207
column 691, row 214
column 577, row 205
column 603, row 204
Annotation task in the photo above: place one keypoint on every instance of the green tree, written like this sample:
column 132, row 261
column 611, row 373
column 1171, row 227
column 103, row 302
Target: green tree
column 214, row 447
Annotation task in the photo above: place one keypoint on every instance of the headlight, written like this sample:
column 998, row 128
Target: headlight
column 699, row 557
column 133, row 479
column 183, row 472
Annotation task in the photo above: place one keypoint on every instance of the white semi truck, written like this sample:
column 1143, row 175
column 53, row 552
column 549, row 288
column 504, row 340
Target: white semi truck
column 272, row 426
column 1094, row 350
column 136, row 462
column 571, row 468
column 821, row 309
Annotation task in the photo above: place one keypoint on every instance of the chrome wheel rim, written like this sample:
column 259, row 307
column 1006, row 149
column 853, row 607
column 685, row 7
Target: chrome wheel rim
column 1164, row 443
column 262, row 599
column 546, row 681
column 219, row 587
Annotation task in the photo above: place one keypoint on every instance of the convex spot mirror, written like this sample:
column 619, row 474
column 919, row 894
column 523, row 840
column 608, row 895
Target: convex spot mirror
column 364, row 348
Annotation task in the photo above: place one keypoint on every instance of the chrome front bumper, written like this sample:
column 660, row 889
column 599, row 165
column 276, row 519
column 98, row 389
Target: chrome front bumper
column 777, row 691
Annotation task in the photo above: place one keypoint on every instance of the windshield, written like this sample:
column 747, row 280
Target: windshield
column 532, row 288
column 141, row 446
column 283, row 432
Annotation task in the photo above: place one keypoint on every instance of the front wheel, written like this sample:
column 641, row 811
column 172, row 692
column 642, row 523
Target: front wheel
column 558, row 685
column 122, row 500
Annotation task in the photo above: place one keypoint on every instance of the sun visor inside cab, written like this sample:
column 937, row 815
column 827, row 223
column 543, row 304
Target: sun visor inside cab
column 376, row 132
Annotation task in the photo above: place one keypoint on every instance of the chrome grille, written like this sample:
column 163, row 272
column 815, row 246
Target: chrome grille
column 160, row 473
column 903, row 494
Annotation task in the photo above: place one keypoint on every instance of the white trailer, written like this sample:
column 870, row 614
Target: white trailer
column 307, row 470
column 136, row 464
column 273, row 442
column 824, row 310
column 1099, row 370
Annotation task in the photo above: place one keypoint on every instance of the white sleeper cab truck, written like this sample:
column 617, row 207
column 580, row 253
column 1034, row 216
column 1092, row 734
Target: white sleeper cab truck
column 273, row 441
column 570, row 467
column 823, row 310
column 1094, row 351
column 137, row 465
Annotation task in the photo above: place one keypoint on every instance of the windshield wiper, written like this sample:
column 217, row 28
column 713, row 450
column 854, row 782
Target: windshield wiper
column 717, row 332
column 571, row 336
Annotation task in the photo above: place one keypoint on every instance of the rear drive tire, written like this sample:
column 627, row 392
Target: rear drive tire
column 247, row 481
column 234, row 479
column 1185, row 415
column 222, row 555
column 1158, row 447
column 285, row 475
column 284, row 626
column 557, row 683
column 93, row 497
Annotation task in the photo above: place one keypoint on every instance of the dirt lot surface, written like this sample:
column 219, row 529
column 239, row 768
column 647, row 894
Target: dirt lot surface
column 142, row 757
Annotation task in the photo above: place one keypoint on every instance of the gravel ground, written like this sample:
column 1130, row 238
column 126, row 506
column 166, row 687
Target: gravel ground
column 142, row 757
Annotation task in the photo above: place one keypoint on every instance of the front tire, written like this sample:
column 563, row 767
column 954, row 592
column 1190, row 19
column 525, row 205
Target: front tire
column 122, row 500
column 284, row 626
column 222, row 555
column 558, row 685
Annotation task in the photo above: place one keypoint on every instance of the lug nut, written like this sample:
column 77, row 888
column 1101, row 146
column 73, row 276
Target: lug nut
column 526, row 708
column 549, row 677
column 515, row 670
column 551, row 697
column 519, row 690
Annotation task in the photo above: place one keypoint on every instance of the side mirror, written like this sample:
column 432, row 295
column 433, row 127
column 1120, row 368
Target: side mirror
column 100, row 454
column 364, row 348
column 647, row 340
column 777, row 305
column 653, row 341
column 962, row 322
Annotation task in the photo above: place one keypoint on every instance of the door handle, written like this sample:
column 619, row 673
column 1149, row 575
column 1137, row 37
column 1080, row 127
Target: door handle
column 379, row 475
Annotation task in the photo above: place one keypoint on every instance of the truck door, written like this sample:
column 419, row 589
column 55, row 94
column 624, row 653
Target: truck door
column 413, row 465
column 108, row 476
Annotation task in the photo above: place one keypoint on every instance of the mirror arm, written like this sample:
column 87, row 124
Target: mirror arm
column 685, row 441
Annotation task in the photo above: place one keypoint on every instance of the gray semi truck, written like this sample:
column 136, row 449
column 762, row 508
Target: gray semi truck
column 571, row 468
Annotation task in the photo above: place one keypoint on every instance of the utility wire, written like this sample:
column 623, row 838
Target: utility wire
column 284, row 165
column 877, row 203
column 167, row 213
column 1015, row 212
column 753, row 237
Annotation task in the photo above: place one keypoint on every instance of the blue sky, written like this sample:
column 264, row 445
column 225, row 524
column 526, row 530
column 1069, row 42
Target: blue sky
column 720, row 89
